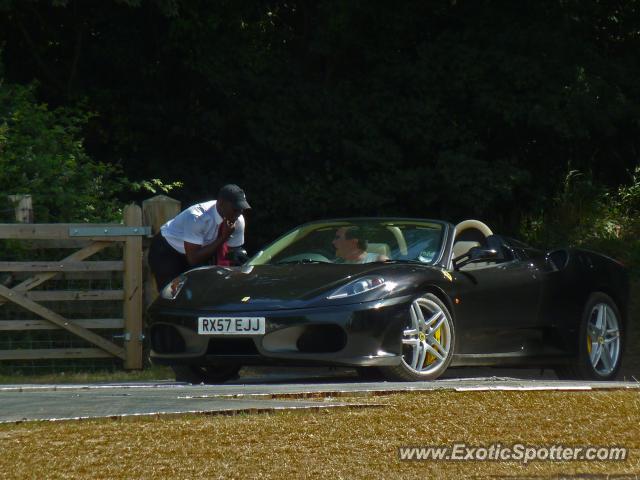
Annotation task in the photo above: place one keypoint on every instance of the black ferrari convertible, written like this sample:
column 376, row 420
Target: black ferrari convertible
column 406, row 298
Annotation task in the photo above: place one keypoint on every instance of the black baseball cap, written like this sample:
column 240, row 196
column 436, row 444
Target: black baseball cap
column 234, row 194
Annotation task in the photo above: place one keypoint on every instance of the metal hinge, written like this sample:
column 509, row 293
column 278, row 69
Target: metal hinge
column 127, row 337
column 116, row 231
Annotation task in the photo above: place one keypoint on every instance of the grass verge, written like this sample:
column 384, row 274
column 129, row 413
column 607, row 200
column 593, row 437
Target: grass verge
column 358, row 443
column 154, row 372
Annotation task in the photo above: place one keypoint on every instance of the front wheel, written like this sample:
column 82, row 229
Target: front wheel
column 428, row 339
column 209, row 374
column 600, row 348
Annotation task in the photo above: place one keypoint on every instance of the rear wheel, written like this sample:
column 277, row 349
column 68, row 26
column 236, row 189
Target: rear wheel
column 197, row 374
column 600, row 342
column 427, row 341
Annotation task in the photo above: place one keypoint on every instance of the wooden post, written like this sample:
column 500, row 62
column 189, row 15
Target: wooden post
column 133, row 290
column 156, row 211
column 24, row 208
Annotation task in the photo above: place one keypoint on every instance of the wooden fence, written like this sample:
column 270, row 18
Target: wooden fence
column 90, row 239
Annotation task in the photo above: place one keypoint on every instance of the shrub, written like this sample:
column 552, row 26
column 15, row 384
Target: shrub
column 586, row 214
column 41, row 153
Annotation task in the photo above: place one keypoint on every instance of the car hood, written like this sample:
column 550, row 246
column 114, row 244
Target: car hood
column 271, row 286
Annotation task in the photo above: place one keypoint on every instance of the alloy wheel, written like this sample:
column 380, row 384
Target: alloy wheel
column 603, row 339
column 427, row 340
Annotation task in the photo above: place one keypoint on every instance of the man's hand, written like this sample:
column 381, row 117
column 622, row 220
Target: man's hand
column 201, row 254
column 228, row 227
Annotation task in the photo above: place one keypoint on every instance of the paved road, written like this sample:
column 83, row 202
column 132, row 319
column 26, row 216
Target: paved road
column 253, row 392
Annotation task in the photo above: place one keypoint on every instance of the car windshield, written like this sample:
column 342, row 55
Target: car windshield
column 356, row 241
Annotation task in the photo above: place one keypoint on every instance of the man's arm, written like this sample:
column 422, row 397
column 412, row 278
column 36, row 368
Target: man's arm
column 200, row 254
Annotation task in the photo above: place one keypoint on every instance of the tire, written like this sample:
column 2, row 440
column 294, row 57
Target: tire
column 428, row 341
column 600, row 345
column 209, row 374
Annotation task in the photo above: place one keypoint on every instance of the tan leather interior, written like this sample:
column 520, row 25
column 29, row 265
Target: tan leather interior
column 379, row 249
column 462, row 247
column 402, row 243
column 473, row 224
column 469, row 234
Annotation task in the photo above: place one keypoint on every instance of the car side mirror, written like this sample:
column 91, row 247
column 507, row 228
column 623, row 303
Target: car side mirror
column 238, row 256
column 475, row 254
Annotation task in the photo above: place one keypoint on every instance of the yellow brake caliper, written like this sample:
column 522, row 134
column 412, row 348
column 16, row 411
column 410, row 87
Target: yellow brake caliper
column 431, row 357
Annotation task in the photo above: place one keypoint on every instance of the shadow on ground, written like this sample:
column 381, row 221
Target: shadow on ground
column 265, row 375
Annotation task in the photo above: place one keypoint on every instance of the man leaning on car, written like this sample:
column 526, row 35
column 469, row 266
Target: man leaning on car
column 204, row 233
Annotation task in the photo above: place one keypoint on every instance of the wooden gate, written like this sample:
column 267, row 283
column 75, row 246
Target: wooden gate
column 93, row 238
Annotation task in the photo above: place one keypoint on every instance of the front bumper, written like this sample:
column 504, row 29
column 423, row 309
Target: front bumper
column 364, row 334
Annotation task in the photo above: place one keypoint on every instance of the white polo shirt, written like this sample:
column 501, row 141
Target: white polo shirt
column 199, row 224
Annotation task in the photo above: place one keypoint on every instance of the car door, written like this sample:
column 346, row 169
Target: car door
column 499, row 303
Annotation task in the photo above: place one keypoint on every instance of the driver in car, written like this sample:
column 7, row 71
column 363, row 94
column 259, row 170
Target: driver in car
column 351, row 247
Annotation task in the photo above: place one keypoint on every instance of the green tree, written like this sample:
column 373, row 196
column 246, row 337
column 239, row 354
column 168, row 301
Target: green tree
column 319, row 108
column 586, row 214
column 41, row 153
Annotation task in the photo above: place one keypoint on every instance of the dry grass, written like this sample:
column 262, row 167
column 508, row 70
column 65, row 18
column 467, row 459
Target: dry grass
column 154, row 372
column 358, row 443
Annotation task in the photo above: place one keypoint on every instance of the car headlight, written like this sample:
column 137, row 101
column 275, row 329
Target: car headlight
column 361, row 285
column 172, row 289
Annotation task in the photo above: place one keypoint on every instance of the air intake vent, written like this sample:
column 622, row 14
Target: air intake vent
column 166, row 339
column 322, row 339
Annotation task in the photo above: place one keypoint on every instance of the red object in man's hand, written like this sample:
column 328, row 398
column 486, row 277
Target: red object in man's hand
column 225, row 231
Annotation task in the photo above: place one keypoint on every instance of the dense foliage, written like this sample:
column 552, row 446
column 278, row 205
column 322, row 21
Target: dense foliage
column 586, row 214
column 41, row 154
column 454, row 109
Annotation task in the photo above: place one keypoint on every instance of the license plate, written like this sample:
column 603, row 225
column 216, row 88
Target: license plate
column 231, row 325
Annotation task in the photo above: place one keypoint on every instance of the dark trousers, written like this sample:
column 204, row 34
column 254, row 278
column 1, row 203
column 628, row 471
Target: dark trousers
column 165, row 262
